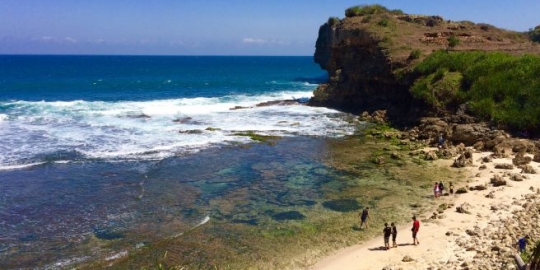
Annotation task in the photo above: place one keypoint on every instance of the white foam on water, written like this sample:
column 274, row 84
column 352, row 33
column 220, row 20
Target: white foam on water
column 152, row 129
column 205, row 219
column 117, row 256
column 21, row 166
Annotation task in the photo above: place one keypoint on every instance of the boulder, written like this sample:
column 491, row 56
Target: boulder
column 407, row 258
column 521, row 159
column 497, row 181
column 463, row 160
column 464, row 208
column 432, row 155
column 504, row 166
column 395, row 155
column 516, row 177
column 469, row 134
column 478, row 187
column 522, row 146
column 527, row 169
column 503, row 150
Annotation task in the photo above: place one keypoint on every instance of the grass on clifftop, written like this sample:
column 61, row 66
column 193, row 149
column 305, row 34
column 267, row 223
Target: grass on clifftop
column 362, row 10
column 498, row 87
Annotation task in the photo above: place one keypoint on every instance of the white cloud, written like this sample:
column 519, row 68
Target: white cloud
column 264, row 41
column 70, row 40
column 254, row 40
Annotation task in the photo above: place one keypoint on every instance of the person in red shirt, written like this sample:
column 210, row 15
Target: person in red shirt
column 415, row 228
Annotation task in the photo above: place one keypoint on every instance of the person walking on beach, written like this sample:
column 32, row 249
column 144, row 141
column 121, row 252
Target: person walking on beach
column 364, row 217
column 394, row 235
column 441, row 189
column 451, row 188
column 415, row 229
column 436, row 190
column 387, row 231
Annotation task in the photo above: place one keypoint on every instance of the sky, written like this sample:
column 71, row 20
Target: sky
column 211, row 27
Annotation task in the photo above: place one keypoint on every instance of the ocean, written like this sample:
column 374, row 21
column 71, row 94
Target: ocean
column 100, row 155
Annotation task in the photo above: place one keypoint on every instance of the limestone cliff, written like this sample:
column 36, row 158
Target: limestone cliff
column 370, row 58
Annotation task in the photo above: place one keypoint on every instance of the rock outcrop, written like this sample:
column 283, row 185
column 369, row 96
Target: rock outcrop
column 370, row 58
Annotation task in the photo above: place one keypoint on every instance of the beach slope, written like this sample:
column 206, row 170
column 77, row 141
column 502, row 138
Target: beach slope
column 477, row 229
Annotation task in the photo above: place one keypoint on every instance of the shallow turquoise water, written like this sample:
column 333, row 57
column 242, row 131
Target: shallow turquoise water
column 55, row 212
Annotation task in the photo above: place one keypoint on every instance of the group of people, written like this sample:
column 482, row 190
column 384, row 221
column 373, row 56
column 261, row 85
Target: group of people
column 438, row 189
column 391, row 230
column 387, row 231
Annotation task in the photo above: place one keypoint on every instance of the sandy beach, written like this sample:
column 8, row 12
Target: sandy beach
column 483, row 238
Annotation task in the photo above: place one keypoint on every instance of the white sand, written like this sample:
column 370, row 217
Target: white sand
column 436, row 248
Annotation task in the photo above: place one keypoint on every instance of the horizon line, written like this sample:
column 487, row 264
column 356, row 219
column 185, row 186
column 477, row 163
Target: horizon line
column 164, row 55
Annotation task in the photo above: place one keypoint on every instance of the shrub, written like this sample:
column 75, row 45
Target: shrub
column 333, row 21
column 534, row 34
column 439, row 89
column 367, row 18
column 397, row 12
column 383, row 22
column 453, row 41
column 415, row 54
column 362, row 10
column 498, row 87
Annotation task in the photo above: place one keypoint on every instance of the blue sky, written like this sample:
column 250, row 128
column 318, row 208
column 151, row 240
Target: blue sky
column 211, row 27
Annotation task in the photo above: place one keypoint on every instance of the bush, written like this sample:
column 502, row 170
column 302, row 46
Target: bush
column 367, row 18
column 383, row 22
column 534, row 34
column 453, row 41
column 397, row 12
column 362, row 10
column 333, row 21
column 415, row 54
column 499, row 87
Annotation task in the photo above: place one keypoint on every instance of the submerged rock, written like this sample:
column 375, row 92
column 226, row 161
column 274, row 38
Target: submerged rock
column 107, row 234
column 343, row 205
column 289, row 215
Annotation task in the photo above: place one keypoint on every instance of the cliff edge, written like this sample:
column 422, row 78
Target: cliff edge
column 371, row 56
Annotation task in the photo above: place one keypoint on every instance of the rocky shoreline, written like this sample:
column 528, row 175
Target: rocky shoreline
column 478, row 227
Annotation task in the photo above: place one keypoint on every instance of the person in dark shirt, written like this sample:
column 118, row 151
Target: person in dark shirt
column 394, row 235
column 364, row 217
column 441, row 188
column 387, row 231
column 522, row 243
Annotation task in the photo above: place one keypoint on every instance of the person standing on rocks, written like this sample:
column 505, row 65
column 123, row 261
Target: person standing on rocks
column 441, row 141
column 364, row 217
column 415, row 229
column 522, row 243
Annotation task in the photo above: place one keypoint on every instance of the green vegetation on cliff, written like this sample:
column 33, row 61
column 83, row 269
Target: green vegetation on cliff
column 499, row 87
column 534, row 34
column 362, row 10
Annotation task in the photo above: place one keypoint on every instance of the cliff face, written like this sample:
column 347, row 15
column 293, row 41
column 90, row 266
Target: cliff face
column 370, row 58
column 361, row 75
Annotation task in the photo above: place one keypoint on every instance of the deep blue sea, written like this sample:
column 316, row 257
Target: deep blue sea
column 136, row 148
